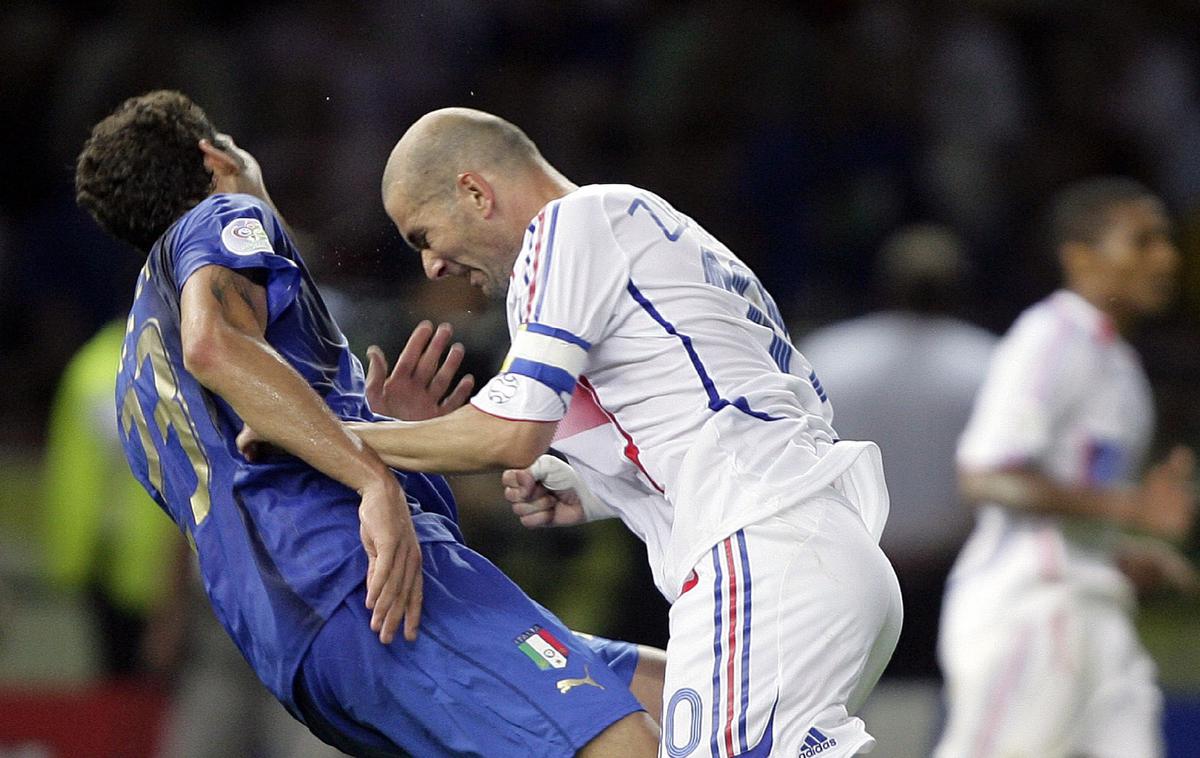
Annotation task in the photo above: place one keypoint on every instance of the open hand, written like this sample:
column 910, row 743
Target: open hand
column 416, row 388
column 394, row 580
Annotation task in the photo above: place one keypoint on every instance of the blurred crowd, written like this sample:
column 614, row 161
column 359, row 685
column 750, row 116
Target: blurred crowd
column 803, row 134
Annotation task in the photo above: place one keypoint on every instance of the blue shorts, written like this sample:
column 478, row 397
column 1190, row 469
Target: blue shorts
column 492, row 673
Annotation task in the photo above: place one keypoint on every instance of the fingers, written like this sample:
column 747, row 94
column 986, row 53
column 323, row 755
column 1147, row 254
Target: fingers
column 536, row 513
column 428, row 362
column 376, row 371
column 519, row 485
column 406, row 603
column 460, row 394
column 378, row 573
column 539, row 520
column 513, row 477
column 445, row 373
column 410, row 356
column 415, row 596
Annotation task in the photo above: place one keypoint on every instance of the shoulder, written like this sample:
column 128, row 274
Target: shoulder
column 243, row 224
column 1059, row 321
column 227, row 207
column 601, row 201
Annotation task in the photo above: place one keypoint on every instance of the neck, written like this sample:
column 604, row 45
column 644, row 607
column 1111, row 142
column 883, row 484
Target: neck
column 1110, row 306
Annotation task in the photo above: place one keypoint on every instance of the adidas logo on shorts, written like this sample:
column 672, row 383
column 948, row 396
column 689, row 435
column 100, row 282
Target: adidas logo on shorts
column 815, row 743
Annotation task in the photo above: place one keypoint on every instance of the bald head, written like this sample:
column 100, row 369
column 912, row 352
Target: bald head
column 445, row 143
column 461, row 187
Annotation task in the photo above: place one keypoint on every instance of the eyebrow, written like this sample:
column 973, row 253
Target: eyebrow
column 416, row 239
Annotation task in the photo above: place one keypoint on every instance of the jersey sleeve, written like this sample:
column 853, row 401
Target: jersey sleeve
column 239, row 232
column 568, row 278
column 1038, row 373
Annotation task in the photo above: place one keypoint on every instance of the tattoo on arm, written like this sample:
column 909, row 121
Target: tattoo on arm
column 237, row 293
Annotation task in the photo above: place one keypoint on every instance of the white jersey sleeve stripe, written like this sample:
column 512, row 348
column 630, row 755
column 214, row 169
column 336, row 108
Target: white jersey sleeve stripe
column 561, row 334
column 537, row 313
column 531, row 268
column 557, row 348
column 552, row 376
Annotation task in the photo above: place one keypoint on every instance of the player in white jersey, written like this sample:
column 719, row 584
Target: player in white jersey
column 1037, row 645
column 667, row 372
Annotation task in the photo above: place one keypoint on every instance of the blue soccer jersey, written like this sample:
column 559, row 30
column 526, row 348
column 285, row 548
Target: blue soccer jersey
column 278, row 542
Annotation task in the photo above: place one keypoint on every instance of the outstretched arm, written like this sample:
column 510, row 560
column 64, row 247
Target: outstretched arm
column 223, row 323
column 467, row 440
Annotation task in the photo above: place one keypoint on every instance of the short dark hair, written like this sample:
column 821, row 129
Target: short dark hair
column 141, row 169
column 1079, row 212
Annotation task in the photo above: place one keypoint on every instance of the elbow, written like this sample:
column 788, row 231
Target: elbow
column 203, row 351
column 524, row 443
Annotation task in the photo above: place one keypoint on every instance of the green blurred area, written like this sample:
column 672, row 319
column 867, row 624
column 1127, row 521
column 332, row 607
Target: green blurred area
column 20, row 513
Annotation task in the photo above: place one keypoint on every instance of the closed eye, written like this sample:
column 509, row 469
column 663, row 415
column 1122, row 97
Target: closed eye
column 417, row 239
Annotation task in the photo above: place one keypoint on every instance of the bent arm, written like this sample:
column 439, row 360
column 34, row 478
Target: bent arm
column 223, row 325
column 467, row 440
column 1029, row 490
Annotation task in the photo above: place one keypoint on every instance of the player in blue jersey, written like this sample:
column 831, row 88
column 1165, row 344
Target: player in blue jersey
column 307, row 556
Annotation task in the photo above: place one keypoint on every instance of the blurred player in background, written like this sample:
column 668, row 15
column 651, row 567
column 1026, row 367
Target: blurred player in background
column 1038, row 648
column 227, row 328
column 664, row 367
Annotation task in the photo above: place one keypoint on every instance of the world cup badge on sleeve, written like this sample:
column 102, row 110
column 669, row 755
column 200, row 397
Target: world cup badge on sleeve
column 246, row 236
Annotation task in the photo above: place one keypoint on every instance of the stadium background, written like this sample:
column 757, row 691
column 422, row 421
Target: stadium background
column 801, row 134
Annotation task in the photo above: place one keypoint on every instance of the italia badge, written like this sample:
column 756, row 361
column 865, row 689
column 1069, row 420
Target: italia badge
column 543, row 648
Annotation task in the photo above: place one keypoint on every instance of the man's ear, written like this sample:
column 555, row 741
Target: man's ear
column 478, row 193
column 219, row 162
column 1077, row 259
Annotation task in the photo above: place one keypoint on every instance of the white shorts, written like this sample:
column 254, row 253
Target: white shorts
column 1056, row 672
column 780, row 634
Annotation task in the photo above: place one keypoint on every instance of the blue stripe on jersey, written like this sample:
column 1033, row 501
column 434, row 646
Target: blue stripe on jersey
column 552, row 376
column 715, row 401
column 741, row 540
column 549, row 259
column 816, row 385
column 716, row 679
column 780, row 349
column 558, row 334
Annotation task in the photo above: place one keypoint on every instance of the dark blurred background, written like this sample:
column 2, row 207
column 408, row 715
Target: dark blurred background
column 802, row 134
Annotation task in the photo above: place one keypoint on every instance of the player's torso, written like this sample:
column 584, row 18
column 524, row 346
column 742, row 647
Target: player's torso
column 277, row 541
column 694, row 335
column 1099, row 439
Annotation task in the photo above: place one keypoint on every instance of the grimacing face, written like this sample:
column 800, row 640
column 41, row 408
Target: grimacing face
column 453, row 243
column 1137, row 258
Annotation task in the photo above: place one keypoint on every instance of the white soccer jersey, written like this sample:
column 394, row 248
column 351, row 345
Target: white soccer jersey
column 1036, row 644
column 682, row 402
column 1067, row 396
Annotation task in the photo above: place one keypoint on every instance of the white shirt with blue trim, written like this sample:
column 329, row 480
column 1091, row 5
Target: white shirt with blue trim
column 1065, row 396
column 681, row 401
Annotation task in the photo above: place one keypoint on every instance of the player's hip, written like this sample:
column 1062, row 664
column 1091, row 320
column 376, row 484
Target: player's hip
column 781, row 630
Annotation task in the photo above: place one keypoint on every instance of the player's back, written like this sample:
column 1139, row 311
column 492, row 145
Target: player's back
column 277, row 541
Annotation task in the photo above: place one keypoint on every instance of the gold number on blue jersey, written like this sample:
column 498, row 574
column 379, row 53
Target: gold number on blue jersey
column 170, row 413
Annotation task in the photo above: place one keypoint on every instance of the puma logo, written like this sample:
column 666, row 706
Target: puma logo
column 566, row 685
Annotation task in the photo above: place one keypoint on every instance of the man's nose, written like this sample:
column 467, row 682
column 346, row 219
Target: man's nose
column 435, row 267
